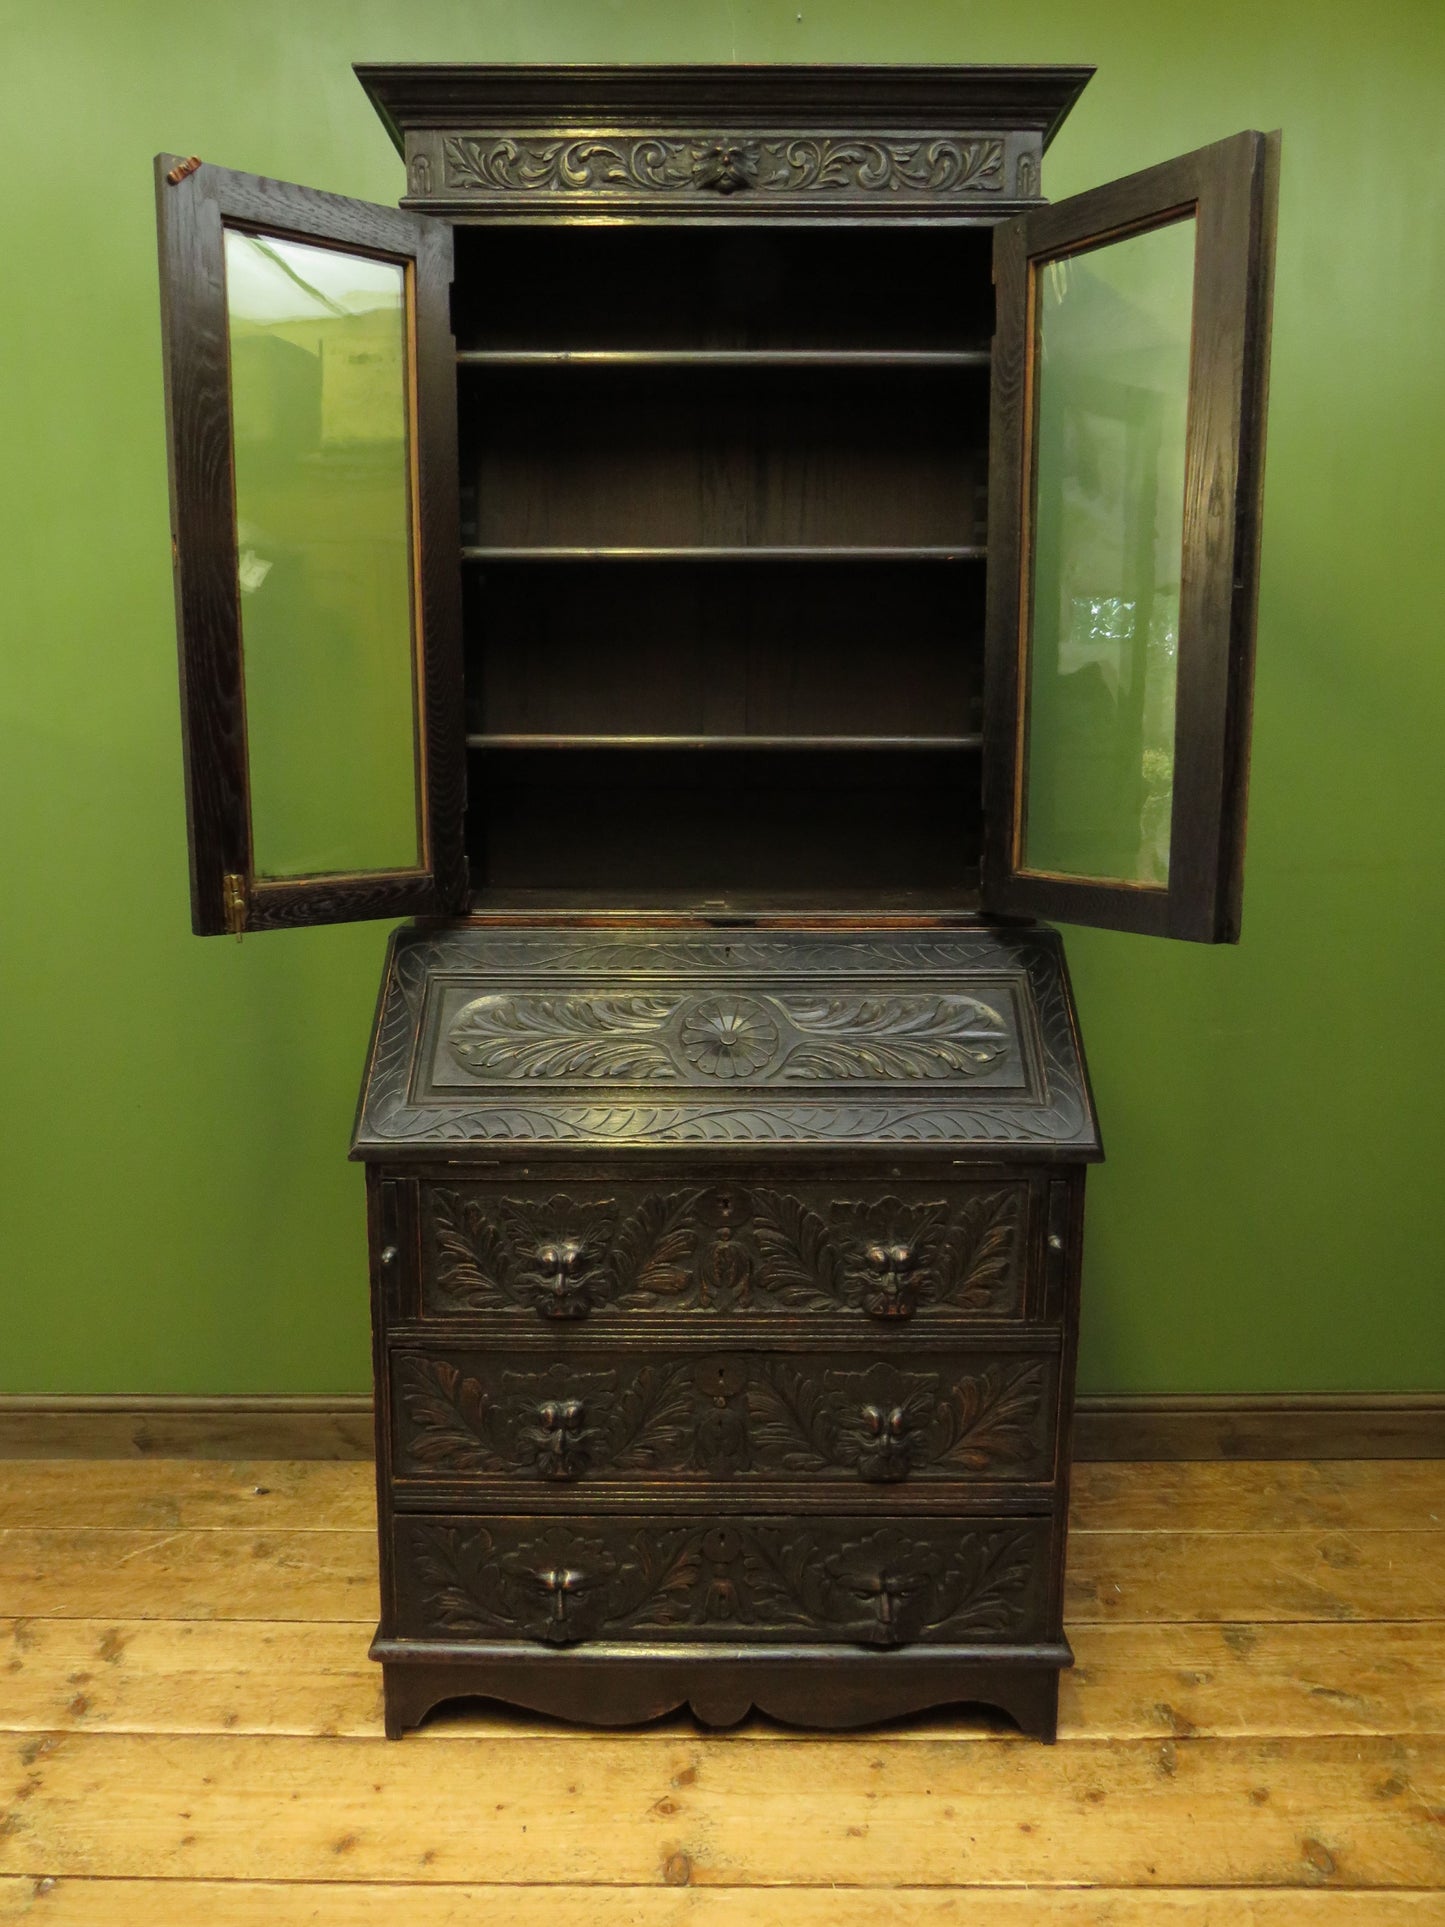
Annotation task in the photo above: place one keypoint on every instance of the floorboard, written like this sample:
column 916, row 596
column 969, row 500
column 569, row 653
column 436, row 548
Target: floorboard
column 287, row 1573
column 83, row 1902
column 190, row 1731
column 1130, row 1681
column 204, row 1903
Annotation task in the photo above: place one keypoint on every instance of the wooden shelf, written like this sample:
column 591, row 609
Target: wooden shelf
column 494, row 739
column 874, row 358
column 884, row 907
column 811, row 552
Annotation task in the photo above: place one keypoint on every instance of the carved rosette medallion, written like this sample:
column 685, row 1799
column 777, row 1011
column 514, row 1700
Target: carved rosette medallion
column 728, row 1036
column 629, row 165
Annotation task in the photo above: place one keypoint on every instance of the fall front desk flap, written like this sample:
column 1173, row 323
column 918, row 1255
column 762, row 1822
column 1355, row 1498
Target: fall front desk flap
column 638, row 1039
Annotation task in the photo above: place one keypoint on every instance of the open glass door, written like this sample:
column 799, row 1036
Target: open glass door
column 310, row 393
column 1127, row 435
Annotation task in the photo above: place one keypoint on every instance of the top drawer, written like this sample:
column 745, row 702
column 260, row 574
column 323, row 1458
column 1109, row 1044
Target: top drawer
column 928, row 1251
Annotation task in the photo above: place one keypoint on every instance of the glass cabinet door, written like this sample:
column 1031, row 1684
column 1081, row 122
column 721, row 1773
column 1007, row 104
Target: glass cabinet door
column 310, row 385
column 1129, row 379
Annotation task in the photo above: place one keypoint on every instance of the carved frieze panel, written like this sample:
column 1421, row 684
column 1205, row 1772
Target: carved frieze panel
column 838, row 1580
column 723, row 1248
column 729, row 1416
column 671, row 1035
column 630, row 164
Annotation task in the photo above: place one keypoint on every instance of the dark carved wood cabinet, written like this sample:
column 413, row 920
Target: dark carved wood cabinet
column 723, row 557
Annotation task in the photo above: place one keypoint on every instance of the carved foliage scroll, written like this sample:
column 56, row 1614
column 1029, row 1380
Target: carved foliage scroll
column 739, row 1248
column 629, row 165
column 840, row 1580
column 627, row 1038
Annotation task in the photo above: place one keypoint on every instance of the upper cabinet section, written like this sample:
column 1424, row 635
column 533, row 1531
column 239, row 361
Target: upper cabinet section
column 697, row 142
column 1129, row 377
column 310, row 382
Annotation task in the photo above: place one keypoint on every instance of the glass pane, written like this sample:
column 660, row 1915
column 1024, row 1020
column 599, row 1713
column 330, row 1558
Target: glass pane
column 323, row 524
column 1112, row 415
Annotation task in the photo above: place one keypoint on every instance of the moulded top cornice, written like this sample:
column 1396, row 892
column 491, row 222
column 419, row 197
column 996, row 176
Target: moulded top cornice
column 901, row 98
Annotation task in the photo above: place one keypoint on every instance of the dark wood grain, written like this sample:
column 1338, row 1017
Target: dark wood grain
column 1230, row 189
column 494, row 740
column 801, row 1687
column 670, row 456
column 868, row 360
column 708, row 297
column 203, row 543
column 193, row 213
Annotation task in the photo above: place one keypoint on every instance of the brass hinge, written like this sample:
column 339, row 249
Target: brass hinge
column 233, row 895
column 178, row 173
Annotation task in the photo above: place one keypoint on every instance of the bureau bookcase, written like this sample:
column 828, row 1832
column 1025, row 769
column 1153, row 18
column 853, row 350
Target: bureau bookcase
column 724, row 557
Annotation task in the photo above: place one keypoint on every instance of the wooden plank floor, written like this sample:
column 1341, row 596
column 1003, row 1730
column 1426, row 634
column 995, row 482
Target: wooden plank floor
column 190, row 1729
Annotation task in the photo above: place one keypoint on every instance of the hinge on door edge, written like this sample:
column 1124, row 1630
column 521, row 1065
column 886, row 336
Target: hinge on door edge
column 233, row 896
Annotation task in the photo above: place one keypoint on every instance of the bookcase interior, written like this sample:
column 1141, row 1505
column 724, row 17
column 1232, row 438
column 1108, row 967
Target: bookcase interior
column 723, row 522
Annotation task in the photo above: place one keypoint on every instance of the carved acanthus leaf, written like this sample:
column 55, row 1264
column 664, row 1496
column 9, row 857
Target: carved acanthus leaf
column 526, row 1036
column 799, row 1260
column 882, row 1037
column 789, row 1417
column 990, row 1418
column 980, row 1249
column 640, row 164
column 451, row 1421
column 655, row 1250
column 651, row 1420
column 471, row 1264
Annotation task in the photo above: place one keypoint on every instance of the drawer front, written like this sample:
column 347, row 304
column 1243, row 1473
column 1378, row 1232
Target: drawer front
column 529, row 1251
column 754, row 1417
column 853, row 1581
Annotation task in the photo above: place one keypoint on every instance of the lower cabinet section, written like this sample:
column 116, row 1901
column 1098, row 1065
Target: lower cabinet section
column 832, row 1580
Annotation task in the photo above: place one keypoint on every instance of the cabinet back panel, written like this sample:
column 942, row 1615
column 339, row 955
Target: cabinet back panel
column 725, row 821
column 809, row 648
column 669, row 287
column 648, row 457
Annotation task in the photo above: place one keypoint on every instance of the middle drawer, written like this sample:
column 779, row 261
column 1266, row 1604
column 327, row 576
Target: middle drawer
column 759, row 1417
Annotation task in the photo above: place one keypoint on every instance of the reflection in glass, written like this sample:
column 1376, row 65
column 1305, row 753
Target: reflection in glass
column 323, row 524
column 1111, row 420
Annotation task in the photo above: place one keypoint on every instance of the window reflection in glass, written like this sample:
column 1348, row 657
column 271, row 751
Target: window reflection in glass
column 1112, row 381
column 319, row 393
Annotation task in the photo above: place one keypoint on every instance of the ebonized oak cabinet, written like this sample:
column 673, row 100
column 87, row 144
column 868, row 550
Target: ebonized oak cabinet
column 725, row 556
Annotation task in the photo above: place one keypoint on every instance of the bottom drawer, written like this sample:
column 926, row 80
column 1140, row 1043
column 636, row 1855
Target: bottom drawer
column 856, row 1581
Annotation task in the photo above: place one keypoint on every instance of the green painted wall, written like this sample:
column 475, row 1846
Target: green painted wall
column 178, row 1212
